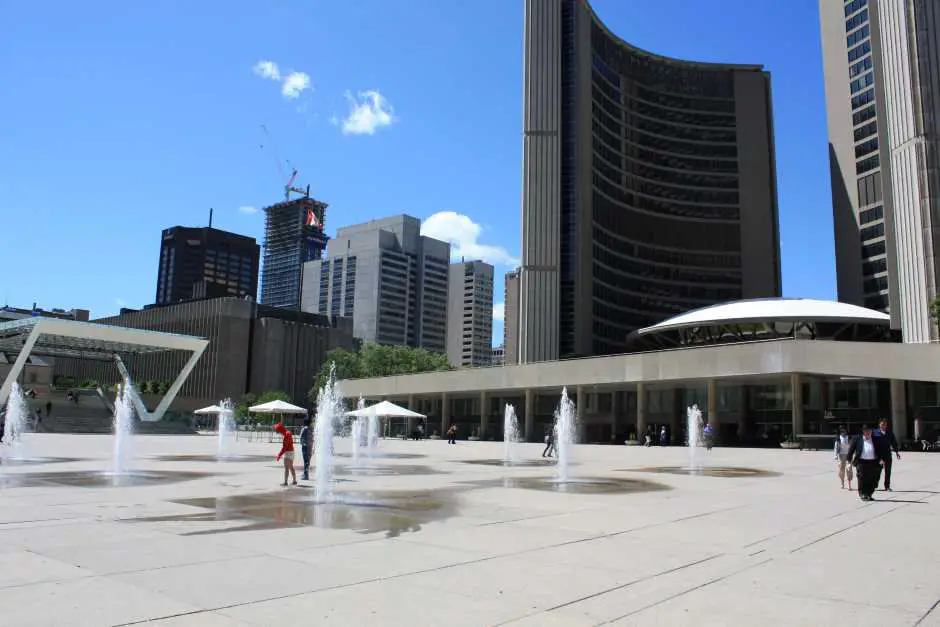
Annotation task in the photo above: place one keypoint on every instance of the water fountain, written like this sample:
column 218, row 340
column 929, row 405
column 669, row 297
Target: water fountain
column 693, row 426
column 356, row 439
column 226, row 428
column 123, row 428
column 566, row 417
column 372, row 430
column 329, row 406
column 510, row 434
column 16, row 421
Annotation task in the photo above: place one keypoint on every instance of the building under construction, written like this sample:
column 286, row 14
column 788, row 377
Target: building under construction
column 293, row 235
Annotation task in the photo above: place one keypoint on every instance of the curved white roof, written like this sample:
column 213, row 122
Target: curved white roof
column 771, row 310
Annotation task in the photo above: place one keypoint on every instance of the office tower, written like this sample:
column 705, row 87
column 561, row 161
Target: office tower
column 470, row 314
column 293, row 235
column 511, row 318
column 388, row 278
column 204, row 262
column 881, row 61
column 649, row 185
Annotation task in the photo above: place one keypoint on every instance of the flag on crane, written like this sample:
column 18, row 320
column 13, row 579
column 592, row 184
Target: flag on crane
column 313, row 220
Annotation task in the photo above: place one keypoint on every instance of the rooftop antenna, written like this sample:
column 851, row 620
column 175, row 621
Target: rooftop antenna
column 210, row 217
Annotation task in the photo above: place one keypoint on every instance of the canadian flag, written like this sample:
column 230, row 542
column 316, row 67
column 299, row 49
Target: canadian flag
column 312, row 219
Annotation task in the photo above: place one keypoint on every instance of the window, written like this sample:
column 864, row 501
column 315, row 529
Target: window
column 860, row 51
column 870, row 215
column 861, row 66
column 873, row 250
column 876, row 284
column 878, row 301
column 856, row 20
column 871, row 232
column 864, row 115
column 866, row 131
column 854, row 6
column 866, row 147
column 870, row 268
column 861, row 83
column 863, row 98
column 857, row 36
column 869, row 190
column 866, row 165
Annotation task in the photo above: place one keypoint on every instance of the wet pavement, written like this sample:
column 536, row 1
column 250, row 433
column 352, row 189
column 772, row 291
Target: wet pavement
column 386, row 471
column 383, row 455
column 96, row 479
column 707, row 471
column 34, row 461
column 579, row 485
column 214, row 458
column 512, row 463
column 388, row 512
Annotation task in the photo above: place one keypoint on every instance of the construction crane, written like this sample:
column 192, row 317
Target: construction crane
column 289, row 187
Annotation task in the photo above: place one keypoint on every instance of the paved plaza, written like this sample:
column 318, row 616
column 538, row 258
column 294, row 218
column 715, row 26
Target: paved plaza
column 422, row 536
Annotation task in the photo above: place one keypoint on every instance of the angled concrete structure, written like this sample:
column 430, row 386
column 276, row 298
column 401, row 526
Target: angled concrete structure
column 68, row 338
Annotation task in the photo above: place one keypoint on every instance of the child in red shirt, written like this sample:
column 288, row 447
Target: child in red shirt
column 287, row 452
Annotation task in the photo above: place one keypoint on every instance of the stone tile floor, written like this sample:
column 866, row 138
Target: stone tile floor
column 454, row 547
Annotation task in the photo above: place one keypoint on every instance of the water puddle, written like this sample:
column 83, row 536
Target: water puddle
column 385, row 471
column 579, row 485
column 517, row 463
column 380, row 455
column 391, row 512
column 707, row 471
column 33, row 461
column 214, row 458
column 95, row 479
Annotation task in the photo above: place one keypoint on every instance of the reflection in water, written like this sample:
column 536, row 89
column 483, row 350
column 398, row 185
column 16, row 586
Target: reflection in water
column 215, row 458
column 515, row 463
column 34, row 461
column 707, row 471
column 95, row 479
column 386, row 471
column 382, row 455
column 393, row 513
column 581, row 485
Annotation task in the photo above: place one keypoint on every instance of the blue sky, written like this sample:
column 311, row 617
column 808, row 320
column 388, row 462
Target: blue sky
column 118, row 119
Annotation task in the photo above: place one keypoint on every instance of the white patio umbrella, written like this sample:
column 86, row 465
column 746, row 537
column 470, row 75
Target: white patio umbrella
column 386, row 409
column 211, row 409
column 277, row 407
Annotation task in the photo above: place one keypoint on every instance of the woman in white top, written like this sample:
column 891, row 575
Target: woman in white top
column 841, row 451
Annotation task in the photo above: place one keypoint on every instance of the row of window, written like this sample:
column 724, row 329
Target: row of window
column 621, row 289
column 856, row 20
column 867, row 165
column 877, row 301
column 862, row 66
column 873, row 231
column 859, row 51
column 876, row 285
column 683, row 258
column 875, row 266
column 854, row 5
column 624, row 115
column 634, row 198
column 864, row 115
column 873, row 250
column 614, row 258
column 866, row 131
column 866, row 147
column 863, row 99
column 869, row 189
column 861, row 83
column 857, row 36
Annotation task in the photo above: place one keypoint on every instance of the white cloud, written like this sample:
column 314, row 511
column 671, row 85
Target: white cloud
column 295, row 84
column 368, row 112
column 267, row 69
column 499, row 311
column 463, row 233
column 248, row 209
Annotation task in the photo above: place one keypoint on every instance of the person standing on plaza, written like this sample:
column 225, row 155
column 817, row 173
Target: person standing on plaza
column 452, row 434
column 287, row 452
column 886, row 443
column 841, row 452
column 663, row 436
column 549, row 443
column 306, row 448
column 863, row 454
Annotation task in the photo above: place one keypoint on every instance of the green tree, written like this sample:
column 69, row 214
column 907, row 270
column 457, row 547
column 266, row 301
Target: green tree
column 375, row 360
column 935, row 310
column 249, row 400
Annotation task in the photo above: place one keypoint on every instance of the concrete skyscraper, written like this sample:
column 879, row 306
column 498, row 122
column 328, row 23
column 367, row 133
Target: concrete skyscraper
column 881, row 62
column 204, row 262
column 387, row 277
column 511, row 317
column 470, row 314
column 293, row 235
column 649, row 185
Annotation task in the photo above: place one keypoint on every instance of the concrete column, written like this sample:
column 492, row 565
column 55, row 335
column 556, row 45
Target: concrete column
column 713, row 404
column 899, row 409
column 445, row 414
column 582, row 414
column 796, row 391
column 742, row 413
column 614, row 412
column 678, row 415
column 641, row 412
column 529, row 415
column 484, row 414
column 411, row 423
column 824, row 395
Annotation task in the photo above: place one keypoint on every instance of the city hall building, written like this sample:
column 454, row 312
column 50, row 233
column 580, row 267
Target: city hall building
column 759, row 369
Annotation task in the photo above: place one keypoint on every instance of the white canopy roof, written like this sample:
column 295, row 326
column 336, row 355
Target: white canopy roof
column 771, row 310
column 386, row 409
column 277, row 407
column 211, row 409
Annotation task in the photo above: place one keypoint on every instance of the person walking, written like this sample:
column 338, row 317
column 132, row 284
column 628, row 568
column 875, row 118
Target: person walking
column 287, row 452
column 306, row 448
column 863, row 454
column 452, row 434
column 549, row 443
column 841, row 452
column 663, row 436
column 885, row 442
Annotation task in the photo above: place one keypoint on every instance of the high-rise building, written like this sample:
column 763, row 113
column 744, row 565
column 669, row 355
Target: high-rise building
column 470, row 314
column 649, row 185
column 511, row 318
column 388, row 278
column 293, row 235
column 204, row 262
column 881, row 62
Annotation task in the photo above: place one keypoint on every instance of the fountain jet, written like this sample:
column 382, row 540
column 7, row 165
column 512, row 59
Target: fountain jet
column 566, row 417
column 123, row 428
column 16, row 421
column 693, row 425
column 226, row 428
column 510, row 433
column 329, row 407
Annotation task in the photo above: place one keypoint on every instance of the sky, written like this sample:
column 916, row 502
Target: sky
column 119, row 119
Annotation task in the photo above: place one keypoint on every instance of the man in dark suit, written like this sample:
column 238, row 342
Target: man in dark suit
column 863, row 454
column 886, row 443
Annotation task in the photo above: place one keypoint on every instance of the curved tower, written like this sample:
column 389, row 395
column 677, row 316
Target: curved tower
column 649, row 186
